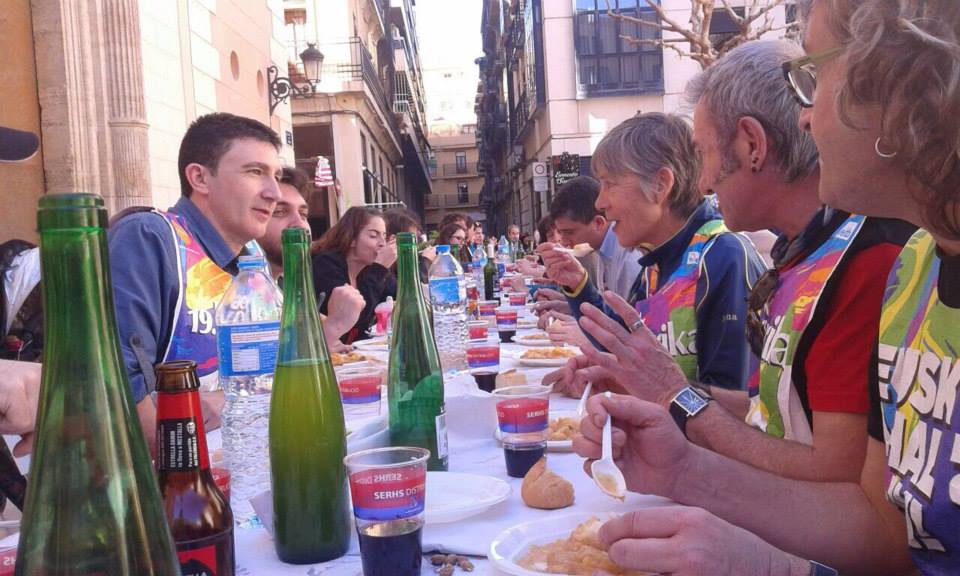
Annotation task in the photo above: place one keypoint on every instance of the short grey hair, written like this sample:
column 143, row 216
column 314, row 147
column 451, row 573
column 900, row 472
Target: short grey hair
column 642, row 145
column 748, row 81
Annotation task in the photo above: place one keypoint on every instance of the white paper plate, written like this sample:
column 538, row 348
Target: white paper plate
column 525, row 340
column 552, row 445
column 378, row 343
column 453, row 496
column 541, row 362
column 511, row 544
column 526, row 323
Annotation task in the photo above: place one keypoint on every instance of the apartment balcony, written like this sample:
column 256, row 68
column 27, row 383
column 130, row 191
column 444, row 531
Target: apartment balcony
column 452, row 200
column 462, row 170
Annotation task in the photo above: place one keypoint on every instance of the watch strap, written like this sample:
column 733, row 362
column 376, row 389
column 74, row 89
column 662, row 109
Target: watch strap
column 818, row 569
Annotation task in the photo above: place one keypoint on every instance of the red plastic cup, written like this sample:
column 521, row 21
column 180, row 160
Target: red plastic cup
column 478, row 329
column 518, row 298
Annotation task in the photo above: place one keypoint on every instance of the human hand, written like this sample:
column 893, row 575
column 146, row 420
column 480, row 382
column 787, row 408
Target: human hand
column 570, row 380
column 636, row 360
column 566, row 331
column 528, row 268
column 388, row 254
column 343, row 310
column 545, row 320
column 561, row 266
column 648, row 447
column 430, row 253
column 19, row 394
column 684, row 541
column 211, row 404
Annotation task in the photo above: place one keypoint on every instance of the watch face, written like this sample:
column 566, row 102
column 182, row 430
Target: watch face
column 690, row 401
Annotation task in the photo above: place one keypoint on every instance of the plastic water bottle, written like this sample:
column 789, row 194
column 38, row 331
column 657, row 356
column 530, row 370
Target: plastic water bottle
column 448, row 299
column 248, row 328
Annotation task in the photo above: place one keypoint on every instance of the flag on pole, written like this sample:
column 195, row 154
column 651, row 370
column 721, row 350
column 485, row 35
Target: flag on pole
column 324, row 175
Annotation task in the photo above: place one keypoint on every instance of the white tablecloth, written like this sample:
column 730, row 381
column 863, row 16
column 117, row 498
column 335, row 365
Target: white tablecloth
column 473, row 449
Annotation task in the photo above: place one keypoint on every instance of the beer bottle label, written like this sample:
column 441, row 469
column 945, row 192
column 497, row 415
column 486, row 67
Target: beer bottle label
column 206, row 556
column 179, row 449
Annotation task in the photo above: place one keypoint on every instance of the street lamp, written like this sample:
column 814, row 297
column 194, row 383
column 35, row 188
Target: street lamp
column 280, row 87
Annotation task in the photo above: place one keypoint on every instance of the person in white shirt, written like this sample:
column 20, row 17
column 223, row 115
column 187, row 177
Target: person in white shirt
column 579, row 222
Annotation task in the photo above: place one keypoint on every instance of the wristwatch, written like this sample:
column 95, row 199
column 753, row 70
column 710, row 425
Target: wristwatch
column 686, row 404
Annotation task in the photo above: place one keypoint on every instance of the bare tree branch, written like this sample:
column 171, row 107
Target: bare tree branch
column 757, row 20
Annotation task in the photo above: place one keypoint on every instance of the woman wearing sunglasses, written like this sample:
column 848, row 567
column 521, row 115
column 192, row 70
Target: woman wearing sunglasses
column 882, row 78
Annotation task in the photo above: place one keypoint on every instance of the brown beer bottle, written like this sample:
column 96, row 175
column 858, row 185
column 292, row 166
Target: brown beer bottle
column 198, row 514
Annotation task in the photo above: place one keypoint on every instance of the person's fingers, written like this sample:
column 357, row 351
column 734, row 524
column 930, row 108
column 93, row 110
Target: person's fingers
column 653, row 555
column 24, row 446
column 586, row 448
column 610, row 341
column 621, row 307
column 627, row 410
column 607, row 323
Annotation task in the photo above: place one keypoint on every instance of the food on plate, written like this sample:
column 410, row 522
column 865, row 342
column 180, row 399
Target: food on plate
column 510, row 377
column 545, row 489
column 341, row 358
column 580, row 554
column 549, row 353
column 563, row 428
column 537, row 336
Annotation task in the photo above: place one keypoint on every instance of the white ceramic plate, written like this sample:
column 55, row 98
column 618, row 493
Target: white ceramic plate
column 526, row 340
column 453, row 496
column 511, row 544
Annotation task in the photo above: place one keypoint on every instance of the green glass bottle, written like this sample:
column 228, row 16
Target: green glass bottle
column 93, row 504
column 311, row 511
column 491, row 280
column 415, row 382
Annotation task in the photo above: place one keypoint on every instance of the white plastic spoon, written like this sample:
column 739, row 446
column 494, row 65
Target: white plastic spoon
column 605, row 472
column 582, row 406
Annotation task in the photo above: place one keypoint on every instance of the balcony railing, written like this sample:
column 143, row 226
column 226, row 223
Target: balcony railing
column 460, row 169
column 350, row 60
column 450, row 200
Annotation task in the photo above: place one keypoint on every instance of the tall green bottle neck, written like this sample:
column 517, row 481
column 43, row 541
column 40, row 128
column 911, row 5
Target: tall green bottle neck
column 408, row 276
column 300, row 322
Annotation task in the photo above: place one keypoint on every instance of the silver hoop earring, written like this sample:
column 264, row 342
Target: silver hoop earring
column 884, row 155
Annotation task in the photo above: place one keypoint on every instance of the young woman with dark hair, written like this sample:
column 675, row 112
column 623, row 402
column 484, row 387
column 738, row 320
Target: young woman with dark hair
column 356, row 252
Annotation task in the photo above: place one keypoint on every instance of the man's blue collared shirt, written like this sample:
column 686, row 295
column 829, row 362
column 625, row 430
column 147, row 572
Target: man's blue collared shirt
column 146, row 282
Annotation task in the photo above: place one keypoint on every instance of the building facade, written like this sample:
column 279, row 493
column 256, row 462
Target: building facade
column 366, row 116
column 112, row 86
column 555, row 78
column 456, row 180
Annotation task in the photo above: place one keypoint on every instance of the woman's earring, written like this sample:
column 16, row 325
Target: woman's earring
column 884, row 155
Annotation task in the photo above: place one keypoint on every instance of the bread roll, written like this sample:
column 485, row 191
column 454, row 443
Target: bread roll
column 544, row 489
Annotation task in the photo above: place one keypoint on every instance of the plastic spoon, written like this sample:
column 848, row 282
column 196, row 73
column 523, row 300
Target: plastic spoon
column 582, row 406
column 605, row 472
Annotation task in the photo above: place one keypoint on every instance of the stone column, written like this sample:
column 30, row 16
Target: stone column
column 127, row 121
column 67, row 58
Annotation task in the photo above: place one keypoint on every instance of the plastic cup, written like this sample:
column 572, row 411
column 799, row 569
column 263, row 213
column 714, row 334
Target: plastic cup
column 483, row 361
column 488, row 312
column 506, row 323
column 388, row 487
column 478, row 329
column 360, row 389
column 221, row 477
column 523, row 416
column 518, row 299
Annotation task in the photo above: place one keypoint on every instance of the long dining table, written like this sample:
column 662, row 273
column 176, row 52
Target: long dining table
column 473, row 449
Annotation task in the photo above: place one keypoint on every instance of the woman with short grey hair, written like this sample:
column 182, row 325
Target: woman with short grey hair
column 696, row 274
